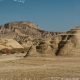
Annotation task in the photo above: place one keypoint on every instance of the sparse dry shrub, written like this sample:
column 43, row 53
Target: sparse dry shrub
column 6, row 51
column 18, row 50
column 11, row 51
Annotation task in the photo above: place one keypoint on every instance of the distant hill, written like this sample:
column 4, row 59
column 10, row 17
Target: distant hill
column 39, row 41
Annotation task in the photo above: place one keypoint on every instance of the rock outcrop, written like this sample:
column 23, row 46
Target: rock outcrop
column 38, row 42
column 10, row 46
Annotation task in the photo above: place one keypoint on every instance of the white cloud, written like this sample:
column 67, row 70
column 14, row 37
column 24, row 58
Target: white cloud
column 20, row 1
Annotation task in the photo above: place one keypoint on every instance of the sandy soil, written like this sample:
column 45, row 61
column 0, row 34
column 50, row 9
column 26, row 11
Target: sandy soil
column 10, row 57
column 39, row 68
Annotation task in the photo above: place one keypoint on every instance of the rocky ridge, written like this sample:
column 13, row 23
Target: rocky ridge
column 38, row 42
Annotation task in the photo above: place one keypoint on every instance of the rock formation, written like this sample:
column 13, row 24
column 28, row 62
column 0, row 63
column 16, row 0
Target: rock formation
column 37, row 42
column 8, row 46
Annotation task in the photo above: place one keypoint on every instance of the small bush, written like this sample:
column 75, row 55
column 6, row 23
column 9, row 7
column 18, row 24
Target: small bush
column 5, row 51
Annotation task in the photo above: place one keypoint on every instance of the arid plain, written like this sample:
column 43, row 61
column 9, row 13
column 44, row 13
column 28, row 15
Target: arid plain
column 30, row 53
column 40, row 68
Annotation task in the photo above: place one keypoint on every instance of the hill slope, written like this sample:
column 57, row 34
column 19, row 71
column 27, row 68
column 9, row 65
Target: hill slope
column 38, row 41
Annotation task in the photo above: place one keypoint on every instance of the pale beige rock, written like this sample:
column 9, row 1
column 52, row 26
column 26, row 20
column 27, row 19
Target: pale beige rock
column 9, row 43
column 42, row 43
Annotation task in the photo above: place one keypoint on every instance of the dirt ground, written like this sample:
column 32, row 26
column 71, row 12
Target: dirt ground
column 40, row 68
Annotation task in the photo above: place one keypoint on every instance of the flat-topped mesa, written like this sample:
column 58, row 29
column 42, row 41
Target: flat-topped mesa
column 69, row 42
column 75, row 30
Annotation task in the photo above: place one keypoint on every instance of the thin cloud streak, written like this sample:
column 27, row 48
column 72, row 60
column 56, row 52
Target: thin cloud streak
column 18, row 1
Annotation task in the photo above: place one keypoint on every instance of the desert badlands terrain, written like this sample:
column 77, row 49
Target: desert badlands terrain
column 30, row 53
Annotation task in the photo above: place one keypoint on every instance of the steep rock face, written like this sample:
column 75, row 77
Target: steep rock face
column 39, row 42
column 70, row 44
column 19, row 29
column 26, row 32
column 44, row 49
column 29, row 34
column 8, row 46
column 65, row 47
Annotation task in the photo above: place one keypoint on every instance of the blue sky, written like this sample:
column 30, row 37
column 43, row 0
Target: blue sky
column 51, row 15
